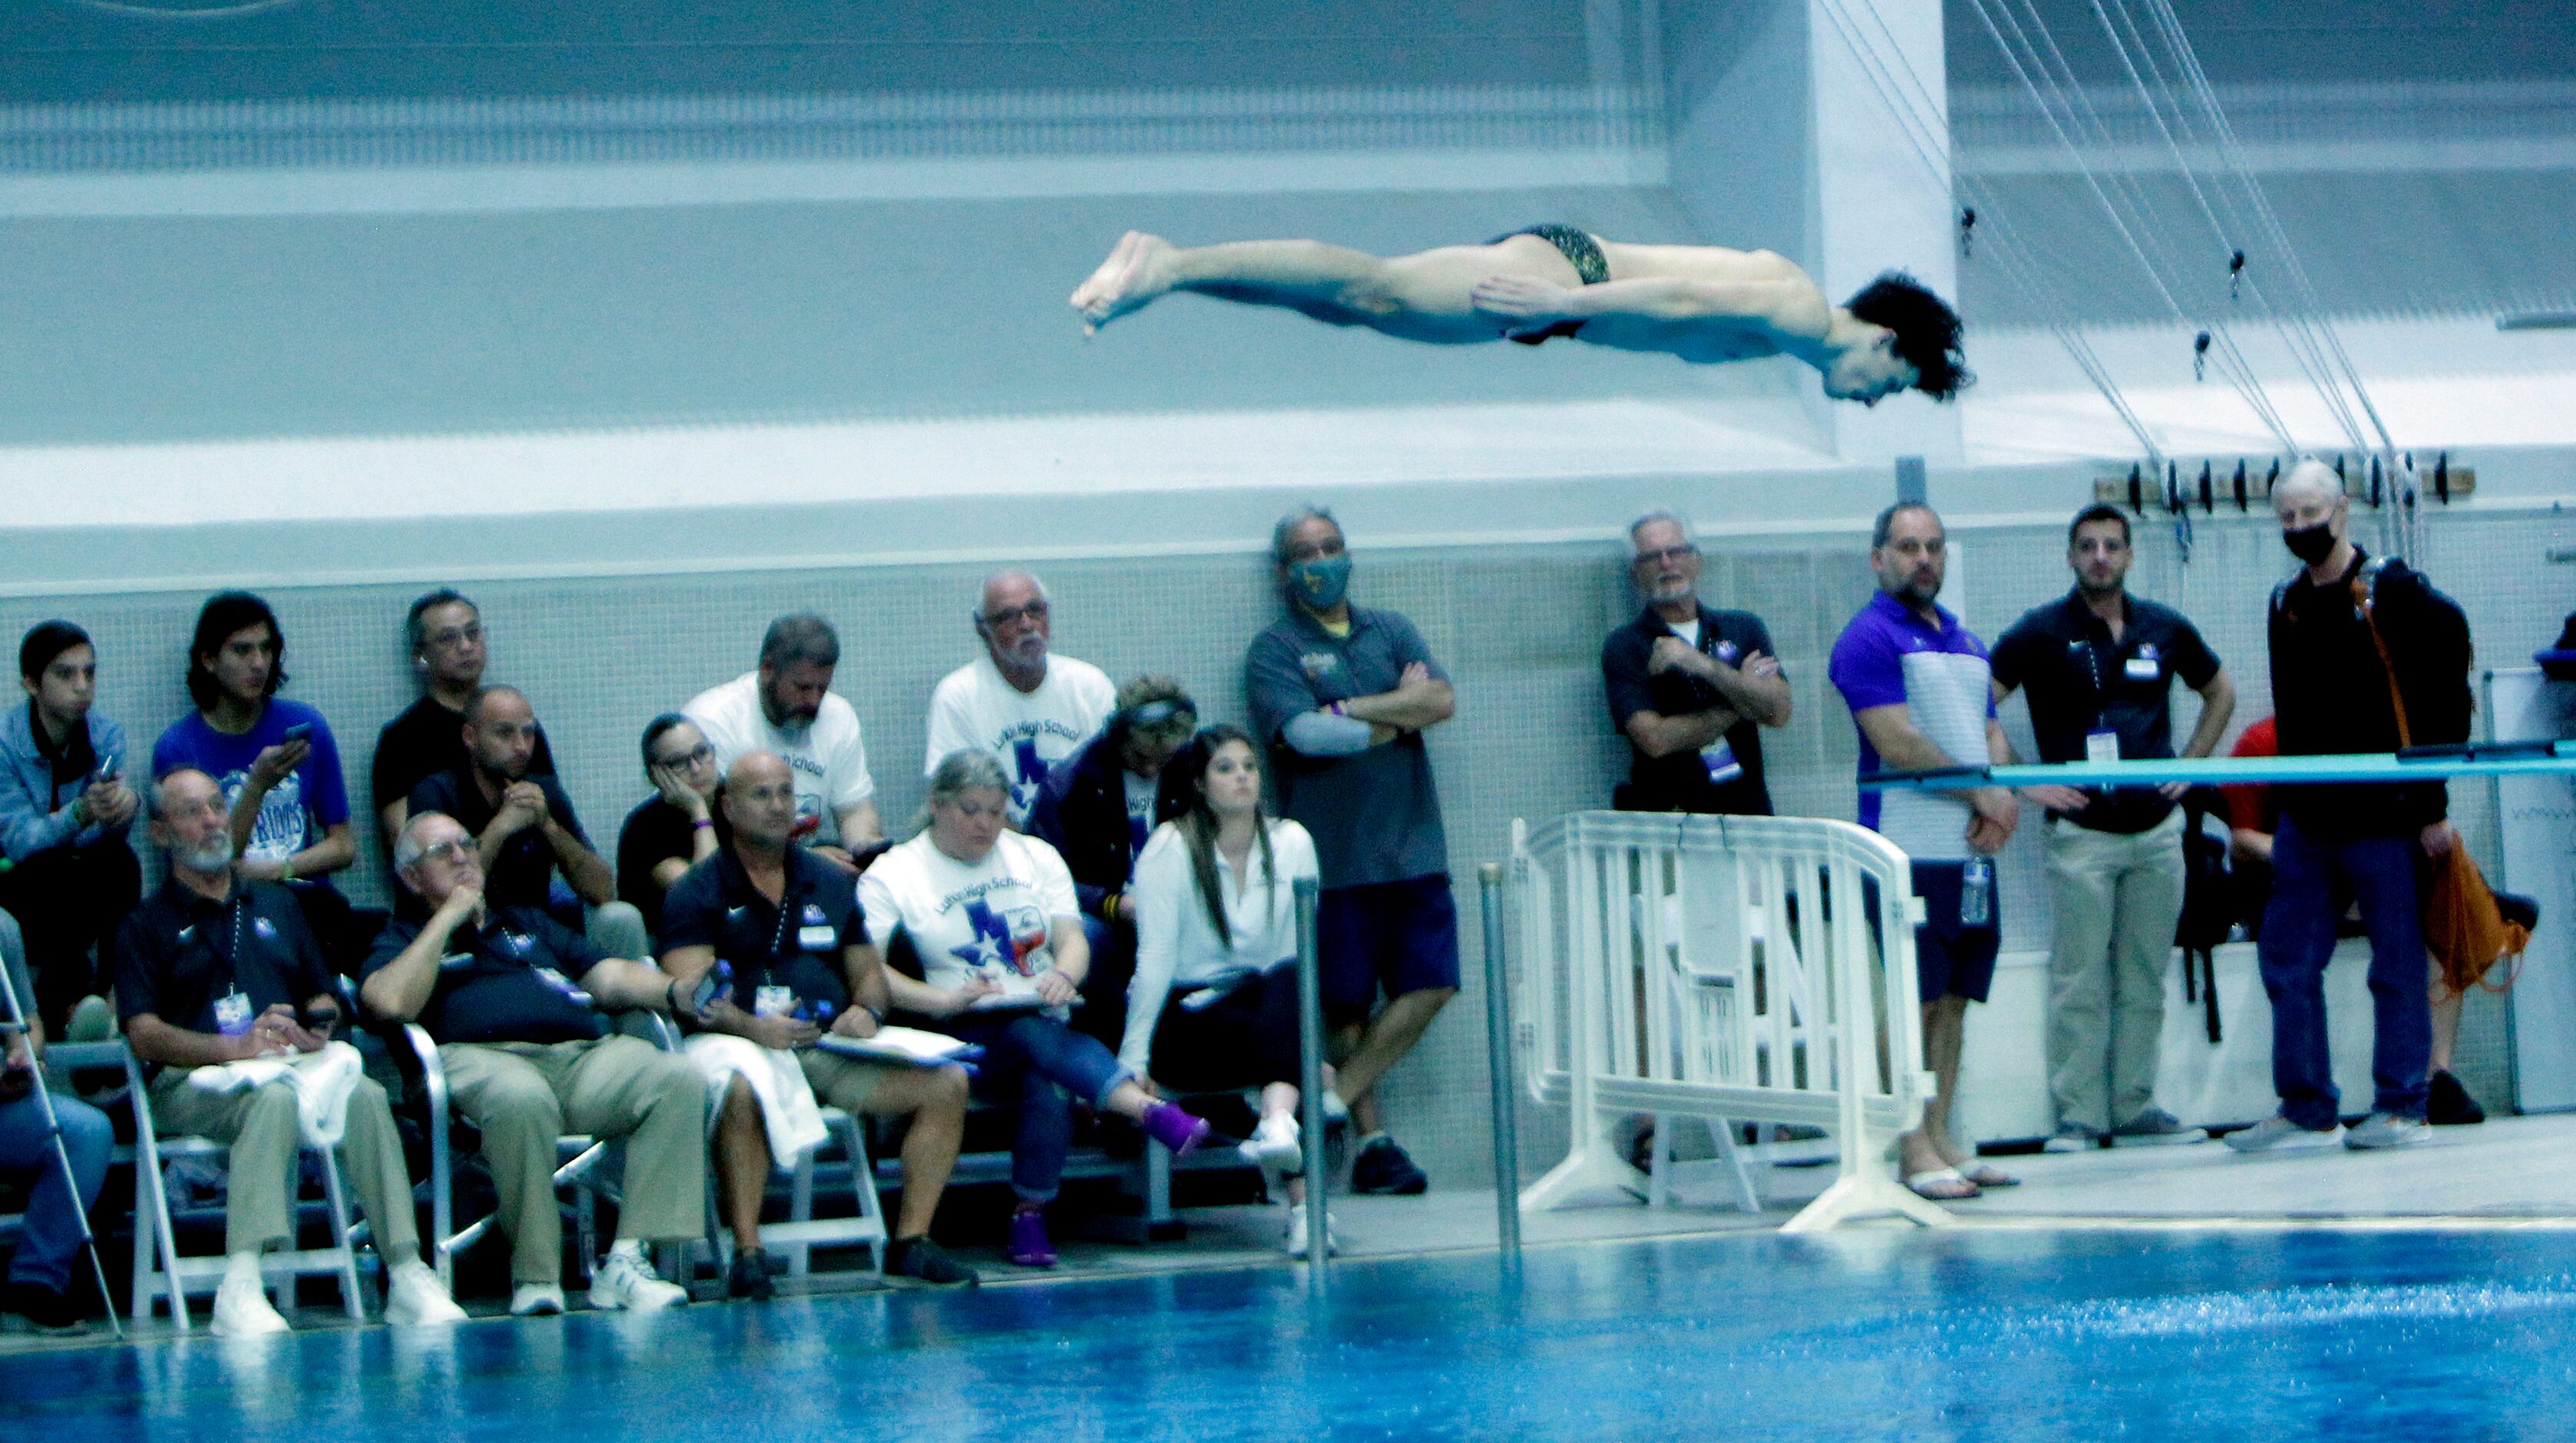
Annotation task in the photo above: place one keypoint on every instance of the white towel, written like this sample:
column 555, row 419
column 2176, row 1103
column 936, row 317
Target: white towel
column 322, row 1080
column 787, row 1106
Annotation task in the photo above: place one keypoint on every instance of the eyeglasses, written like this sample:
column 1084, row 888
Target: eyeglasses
column 447, row 851
column 1666, row 556
column 702, row 752
column 1032, row 611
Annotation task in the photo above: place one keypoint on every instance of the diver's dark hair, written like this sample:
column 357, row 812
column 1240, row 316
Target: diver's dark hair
column 1927, row 331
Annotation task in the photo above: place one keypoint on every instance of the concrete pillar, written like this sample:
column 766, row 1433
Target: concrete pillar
column 1781, row 141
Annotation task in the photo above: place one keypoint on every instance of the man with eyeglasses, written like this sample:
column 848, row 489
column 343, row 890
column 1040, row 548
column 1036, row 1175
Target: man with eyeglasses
column 1690, row 686
column 1026, row 705
column 675, row 828
column 513, row 1000
column 787, row 706
column 448, row 654
column 1096, row 809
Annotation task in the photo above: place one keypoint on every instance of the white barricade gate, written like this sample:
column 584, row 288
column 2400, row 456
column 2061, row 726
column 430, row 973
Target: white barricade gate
column 1727, row 969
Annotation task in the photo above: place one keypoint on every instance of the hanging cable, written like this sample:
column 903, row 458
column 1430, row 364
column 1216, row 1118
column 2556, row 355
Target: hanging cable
column 1927, row 136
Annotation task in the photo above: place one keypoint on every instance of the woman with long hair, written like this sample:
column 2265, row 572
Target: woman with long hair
column 1214, row 1003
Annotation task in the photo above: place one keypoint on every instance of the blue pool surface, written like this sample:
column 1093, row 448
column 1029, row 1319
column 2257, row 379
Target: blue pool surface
column 1973, row 1334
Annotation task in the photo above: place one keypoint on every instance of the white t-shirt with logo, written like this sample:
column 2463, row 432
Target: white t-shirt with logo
column 992, row 917
column 975, row 708
column 828, row 757
column 1141, row 792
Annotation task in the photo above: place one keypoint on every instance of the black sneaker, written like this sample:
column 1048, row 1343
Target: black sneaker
column 1382, row 1167
column 750, row 1276
column 925, row 1261
column 2450, row 1105
column 48, row 1311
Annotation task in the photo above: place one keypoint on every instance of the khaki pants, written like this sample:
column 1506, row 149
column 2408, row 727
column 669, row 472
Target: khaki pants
column 259, row 1125
column 2117, row 898
column 844, row 1082
column 525, row 1095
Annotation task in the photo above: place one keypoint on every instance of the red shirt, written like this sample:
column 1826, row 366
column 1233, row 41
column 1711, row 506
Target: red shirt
column 2250, row 807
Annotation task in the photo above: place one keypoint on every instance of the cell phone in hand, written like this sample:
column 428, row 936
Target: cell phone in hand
column 317, row 1019
column 300, row 732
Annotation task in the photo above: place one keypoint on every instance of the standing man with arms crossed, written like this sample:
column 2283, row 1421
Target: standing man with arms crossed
column 1690, row 687
column 1922, row 694
column 2350, row 636
column 2100, row 665
column 1341, row 694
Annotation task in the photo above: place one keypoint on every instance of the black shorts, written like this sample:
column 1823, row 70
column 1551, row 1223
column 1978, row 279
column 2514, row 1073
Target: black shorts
column 1399, row 936
column 1951, row 958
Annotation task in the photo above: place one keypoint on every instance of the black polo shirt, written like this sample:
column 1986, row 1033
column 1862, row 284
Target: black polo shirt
column 795, row 944
column 1681, row 782
column 179, row 955
column 2080, row 681
column 521, row 875
column 508, row 980
column 654, row 833
column 429, row 738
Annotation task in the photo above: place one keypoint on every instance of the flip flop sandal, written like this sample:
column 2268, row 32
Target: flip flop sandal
column 1941, row 1184
column 1984, row 1176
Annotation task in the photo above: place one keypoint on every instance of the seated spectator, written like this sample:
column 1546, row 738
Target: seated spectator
column 787, row 706
column 448, row 652
column 524, row 824
column 1214, row 1004
column 784, row 921
column 49, row 1237
column 511, row 996
column 218, row 968
column 276, row 760
column 990, row 914
column 1096, row 810
column 1019, row 704
column 65, row 812
column 675, row 828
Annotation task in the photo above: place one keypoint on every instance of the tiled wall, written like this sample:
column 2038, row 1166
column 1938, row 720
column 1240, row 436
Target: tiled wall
column 1520, row 628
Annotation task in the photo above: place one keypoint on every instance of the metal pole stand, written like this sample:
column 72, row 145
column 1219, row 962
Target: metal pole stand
column 15, row 1024
column 1504, row 1075
column 1310, row 1085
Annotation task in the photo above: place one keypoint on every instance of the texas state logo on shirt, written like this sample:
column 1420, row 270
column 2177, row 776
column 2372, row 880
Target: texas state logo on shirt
column 1008, row 937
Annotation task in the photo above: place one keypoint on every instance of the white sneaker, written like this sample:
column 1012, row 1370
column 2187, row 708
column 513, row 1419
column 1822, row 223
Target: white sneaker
column 2386, row 1129
column 1273, row 1148
column 627, row 1280
column 2278, row 1134
column 536, row 1300
column 242, row 1310
column 414, row 1298
column 1297, row 1232
column 1335, row 1110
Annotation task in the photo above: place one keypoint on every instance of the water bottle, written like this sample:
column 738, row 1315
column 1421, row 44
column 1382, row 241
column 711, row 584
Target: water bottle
column 1976, row 893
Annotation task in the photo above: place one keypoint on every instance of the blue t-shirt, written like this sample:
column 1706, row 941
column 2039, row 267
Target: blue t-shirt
column 297, row 811
column 1888, row 656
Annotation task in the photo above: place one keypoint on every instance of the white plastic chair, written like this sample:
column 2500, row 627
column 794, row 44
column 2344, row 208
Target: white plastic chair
column 161, row 1273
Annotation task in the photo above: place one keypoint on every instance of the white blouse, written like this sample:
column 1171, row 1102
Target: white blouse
column 1176, row 944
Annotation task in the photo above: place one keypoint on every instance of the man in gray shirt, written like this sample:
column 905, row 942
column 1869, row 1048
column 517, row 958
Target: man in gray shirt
column 1341, row 695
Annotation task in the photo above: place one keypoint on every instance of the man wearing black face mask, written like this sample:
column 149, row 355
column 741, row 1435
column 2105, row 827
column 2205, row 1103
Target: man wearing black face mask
column 2366, row 657
column 1342, row 694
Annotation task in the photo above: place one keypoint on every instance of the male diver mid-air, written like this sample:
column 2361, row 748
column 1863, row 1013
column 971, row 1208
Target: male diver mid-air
column 1705, row 304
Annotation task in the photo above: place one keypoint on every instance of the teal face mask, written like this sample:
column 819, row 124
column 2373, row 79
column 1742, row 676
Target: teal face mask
column 1319, row 583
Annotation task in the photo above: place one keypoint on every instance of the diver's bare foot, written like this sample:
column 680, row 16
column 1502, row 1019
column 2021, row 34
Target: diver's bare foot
column 1136, row 273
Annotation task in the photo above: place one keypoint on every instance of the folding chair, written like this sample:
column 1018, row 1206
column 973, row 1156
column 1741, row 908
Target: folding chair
column 803, row 1232
column 579, row 1155
column 162, row 1273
